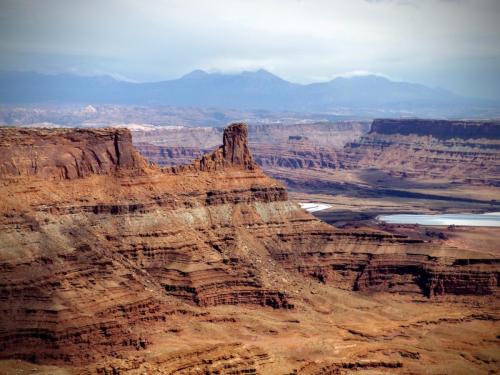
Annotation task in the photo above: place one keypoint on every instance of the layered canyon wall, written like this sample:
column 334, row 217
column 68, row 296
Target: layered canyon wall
column 455, row 151
column 273, row 145
column 100, row 251
column 464, row 152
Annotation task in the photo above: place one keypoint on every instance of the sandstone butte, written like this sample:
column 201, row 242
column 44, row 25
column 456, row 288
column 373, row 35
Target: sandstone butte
column 110, row 265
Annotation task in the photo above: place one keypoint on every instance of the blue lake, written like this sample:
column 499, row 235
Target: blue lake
column 491, row 219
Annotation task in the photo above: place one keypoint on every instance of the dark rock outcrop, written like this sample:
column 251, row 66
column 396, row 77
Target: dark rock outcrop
column 440, row 129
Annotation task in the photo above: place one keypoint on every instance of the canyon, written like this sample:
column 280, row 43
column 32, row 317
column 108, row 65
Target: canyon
column 291, row 146
column 450, row 151
column 389, row 166
column 113, row 265
column 273, row 145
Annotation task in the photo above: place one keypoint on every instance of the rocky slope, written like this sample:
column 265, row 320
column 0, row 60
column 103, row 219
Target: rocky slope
column 111, row 265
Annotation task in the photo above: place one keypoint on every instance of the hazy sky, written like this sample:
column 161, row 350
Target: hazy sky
column 453, row 44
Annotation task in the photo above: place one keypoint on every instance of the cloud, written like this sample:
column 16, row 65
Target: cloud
column 361, row 73
column 299, row 40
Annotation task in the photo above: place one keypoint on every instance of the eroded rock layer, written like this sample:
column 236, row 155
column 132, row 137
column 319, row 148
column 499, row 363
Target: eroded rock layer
column 451, row 151
column 461, row 151
column 98, row 261
column 169, row 156
column 272, row 145
column 292, row 154
column 66, row 154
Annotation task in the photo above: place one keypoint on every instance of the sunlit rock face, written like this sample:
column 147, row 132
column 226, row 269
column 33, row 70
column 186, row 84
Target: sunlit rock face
column 66, row 153
column 104, row 256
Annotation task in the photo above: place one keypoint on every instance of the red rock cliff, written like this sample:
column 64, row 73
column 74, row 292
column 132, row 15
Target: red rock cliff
column 96, row 269
column 66, row 153
column 234, row 153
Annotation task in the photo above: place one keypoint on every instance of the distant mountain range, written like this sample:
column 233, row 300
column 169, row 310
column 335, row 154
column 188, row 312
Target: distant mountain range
column 246, row 90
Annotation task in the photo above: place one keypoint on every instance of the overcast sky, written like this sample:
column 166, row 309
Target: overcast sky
column 454, row 44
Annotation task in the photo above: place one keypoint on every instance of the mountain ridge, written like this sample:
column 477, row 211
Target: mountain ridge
column 246, row 90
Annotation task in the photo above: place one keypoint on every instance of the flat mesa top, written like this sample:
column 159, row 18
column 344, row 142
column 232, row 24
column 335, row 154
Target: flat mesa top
column 7, row 130
column 441, row 129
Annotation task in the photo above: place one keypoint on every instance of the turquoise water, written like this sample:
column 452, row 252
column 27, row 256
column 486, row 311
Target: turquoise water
column 491, row 219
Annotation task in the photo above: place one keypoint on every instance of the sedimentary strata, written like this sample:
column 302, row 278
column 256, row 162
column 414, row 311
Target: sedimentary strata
column 273, row 145
column 451, row 151
column 104, row 256
column 66, row 154
column 456, row 151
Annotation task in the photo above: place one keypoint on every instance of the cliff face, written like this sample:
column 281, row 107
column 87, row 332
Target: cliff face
column 294, row 155
column 291, row 154
column 459, row 151
column 102, row 261
column 67, row 153
column 88, row 256
column 169, row 156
